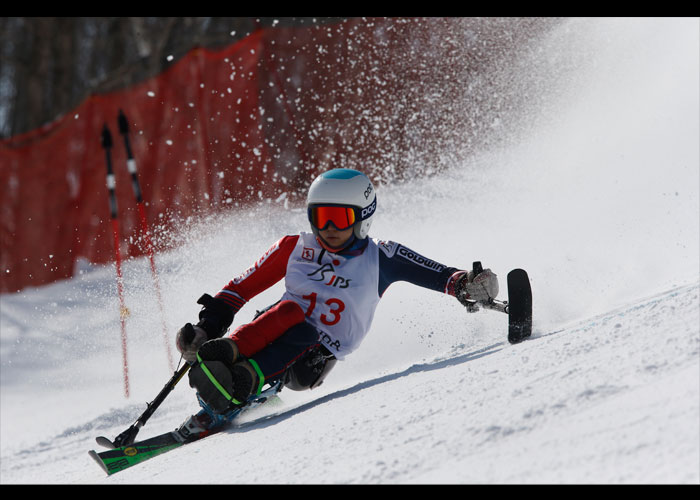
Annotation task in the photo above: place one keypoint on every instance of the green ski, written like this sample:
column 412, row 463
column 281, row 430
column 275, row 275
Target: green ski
column 128, row 455
column 124, row 457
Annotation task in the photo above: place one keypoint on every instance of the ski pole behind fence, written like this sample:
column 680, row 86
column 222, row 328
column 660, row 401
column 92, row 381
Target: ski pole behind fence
column 123, row 311
column 131, row 165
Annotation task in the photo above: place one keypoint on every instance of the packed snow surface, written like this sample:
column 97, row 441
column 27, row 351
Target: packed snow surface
column 598, row 201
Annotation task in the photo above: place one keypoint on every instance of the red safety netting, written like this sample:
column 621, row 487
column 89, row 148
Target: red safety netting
column 183, row 124
column 217, row 130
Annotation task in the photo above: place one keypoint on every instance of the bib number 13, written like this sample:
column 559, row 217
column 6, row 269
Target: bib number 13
column 335, row 307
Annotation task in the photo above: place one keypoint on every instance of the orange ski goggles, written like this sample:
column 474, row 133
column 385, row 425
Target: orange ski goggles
column 342, row 217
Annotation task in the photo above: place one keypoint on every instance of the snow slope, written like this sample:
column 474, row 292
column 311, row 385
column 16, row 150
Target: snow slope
column 598, row 199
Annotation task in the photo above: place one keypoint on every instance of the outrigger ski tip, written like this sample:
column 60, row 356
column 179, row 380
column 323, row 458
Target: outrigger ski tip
column 105, row 442
column 518, row 306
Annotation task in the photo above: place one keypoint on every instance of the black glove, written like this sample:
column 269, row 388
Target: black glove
column 215, row 317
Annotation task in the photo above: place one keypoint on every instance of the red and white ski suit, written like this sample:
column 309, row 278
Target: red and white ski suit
column 337, row 293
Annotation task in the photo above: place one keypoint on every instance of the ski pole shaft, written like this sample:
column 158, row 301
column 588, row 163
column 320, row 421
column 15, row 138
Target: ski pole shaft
column 123, row 311
column 497, row 305
column 129, row 435
column 131, row 166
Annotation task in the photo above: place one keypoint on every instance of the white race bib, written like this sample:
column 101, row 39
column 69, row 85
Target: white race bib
column 338, row 294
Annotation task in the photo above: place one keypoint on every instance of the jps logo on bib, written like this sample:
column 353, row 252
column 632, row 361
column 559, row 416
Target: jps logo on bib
column 327, row 274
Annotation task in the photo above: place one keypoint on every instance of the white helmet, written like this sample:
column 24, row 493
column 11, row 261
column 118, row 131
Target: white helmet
column 348, row 188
